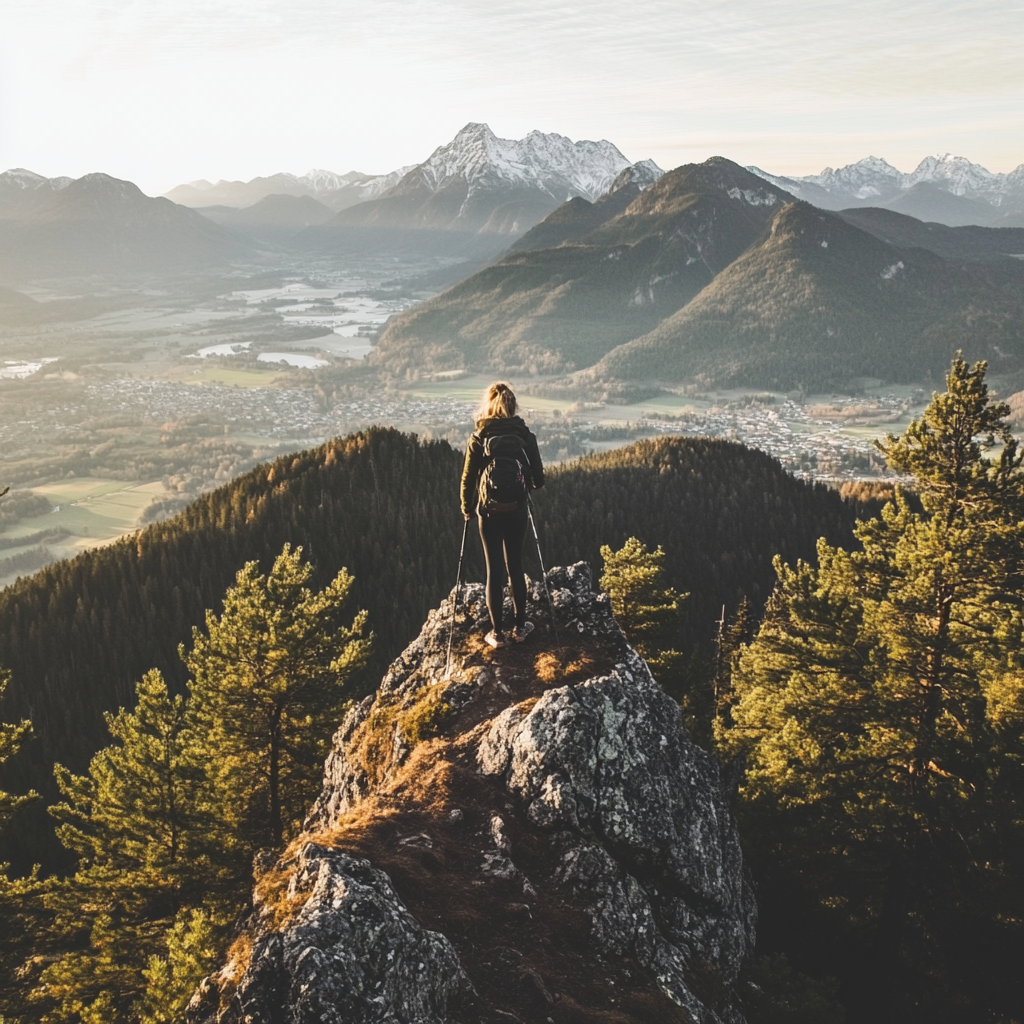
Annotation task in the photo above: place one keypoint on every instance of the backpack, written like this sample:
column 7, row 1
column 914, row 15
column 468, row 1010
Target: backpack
column 502, row 485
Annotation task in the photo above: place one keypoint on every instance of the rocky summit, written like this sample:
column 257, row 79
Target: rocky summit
column 527, row 834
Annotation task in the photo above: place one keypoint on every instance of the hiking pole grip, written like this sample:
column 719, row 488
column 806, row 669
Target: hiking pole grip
column 455, row 603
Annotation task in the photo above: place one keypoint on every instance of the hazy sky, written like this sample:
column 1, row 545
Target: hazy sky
column 165, row 91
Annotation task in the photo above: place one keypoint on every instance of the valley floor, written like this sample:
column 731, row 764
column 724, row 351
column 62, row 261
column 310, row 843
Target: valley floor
column 135, row 401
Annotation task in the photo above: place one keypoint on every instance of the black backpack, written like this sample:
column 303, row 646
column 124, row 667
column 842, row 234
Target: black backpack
column 503, row 485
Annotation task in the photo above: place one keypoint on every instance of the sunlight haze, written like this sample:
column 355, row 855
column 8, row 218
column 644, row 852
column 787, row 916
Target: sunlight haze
column 162, row 92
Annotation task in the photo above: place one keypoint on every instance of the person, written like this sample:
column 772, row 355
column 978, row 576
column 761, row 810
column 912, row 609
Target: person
column 502, row 525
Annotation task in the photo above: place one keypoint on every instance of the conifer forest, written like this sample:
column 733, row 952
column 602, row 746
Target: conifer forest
column 852, row 665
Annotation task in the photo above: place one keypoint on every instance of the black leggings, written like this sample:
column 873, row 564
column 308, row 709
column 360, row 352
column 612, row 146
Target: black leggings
column 503, row 535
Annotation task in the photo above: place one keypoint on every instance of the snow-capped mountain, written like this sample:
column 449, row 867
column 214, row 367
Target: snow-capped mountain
column 550, row 163
column 22, row 191
column 476, row 183
column 875, row 182
column 482, row 186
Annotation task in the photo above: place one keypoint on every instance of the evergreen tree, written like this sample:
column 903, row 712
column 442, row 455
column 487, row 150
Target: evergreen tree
column 195, row 944
column 650, row 614
column 142, row 831
column 268, row 686
column 11, row 739
column 141, row 803
column 163, row 852
column 647, row 610
column 732, row 635
column 868, row 708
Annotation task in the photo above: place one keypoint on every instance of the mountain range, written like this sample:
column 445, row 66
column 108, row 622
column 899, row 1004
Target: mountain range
column 335, row 191
column 99, row 224
column 948, row 189
column 714, row 274
column 590, row 277
column 476, row 193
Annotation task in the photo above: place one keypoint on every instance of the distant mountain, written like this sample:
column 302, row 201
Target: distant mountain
column 335, row 191
column 479, row 185
column 948, row 189
column 604, row 273
column 100, row 224
column 817, row 301
column 275, row 218
column 967, row 242
column 928, row 201
column 22, row 192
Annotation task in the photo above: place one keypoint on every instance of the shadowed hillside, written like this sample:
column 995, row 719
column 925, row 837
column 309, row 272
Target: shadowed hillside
column 961, row 243
column 78, row 635
column 100, row 224
column 817, row 301
column 563, row 307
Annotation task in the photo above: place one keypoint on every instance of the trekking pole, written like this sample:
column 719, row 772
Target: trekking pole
column 455, row 603
column 543, row 574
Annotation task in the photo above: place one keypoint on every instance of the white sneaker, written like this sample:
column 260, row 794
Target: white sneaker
column 495, row 639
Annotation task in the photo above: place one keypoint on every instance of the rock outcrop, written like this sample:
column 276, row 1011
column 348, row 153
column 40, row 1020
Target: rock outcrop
column 531, row 835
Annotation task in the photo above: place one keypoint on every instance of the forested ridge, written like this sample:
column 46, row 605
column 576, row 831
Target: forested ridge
column 79, row 635
column 867, row 707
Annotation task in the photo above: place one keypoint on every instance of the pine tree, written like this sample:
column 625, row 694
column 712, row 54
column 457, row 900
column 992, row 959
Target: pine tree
column 195, row 944
column 12, row 737
column 867, row 707
column 141, row 803
column 268, row 685
column 141, row 830
column 649, row 612
column 732, row 635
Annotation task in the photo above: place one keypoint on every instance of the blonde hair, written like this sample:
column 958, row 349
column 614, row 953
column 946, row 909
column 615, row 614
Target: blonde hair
column 499, row 402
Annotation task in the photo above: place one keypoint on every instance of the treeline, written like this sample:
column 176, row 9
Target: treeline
column 167, row 820
column 879, row 712
column 79, row 635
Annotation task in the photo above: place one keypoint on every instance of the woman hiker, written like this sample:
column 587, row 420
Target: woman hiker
column 502, row 467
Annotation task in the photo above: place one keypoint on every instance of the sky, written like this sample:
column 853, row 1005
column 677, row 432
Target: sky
column 166, row 91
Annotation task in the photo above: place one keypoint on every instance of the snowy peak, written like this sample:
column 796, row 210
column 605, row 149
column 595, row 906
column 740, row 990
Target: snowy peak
column 551, row 163
column 874, row 181
column 958, row 174
column 866, row 178
column 20, row 178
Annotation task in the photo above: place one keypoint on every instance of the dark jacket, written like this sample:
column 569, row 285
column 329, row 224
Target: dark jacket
column 475, row 457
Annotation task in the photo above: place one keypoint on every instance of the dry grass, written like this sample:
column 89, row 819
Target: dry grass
column 527, row 953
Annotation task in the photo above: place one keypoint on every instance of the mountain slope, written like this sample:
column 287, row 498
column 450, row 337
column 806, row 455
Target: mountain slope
column 478, row 184
column 275, row 218
column 565, row 306
column 818, row 301
column 79, row 634
column 967, row 242
column 100, row 224
column 930, row 202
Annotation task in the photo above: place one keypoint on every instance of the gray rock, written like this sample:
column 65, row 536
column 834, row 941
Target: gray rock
column 610, row 757
column 641, row 837
column 351, row 954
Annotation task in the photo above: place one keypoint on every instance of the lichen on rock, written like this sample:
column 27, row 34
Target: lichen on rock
column 551, row 847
